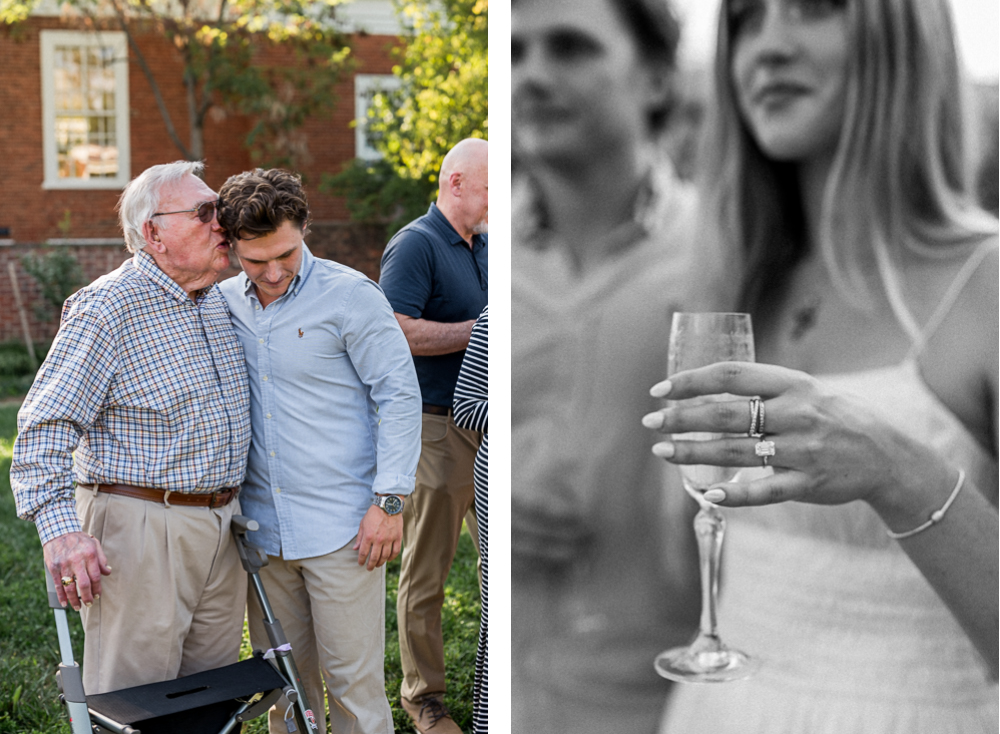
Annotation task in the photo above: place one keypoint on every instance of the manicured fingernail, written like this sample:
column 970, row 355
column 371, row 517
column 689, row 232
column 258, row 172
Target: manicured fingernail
column 653, row 420
column 714, row 495
column 661, row 389
column 664, row 450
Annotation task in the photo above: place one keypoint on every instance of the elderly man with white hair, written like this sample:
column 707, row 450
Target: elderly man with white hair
column 133, row 443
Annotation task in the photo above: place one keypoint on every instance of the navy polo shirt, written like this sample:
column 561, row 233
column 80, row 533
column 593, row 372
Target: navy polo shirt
column 429, row 272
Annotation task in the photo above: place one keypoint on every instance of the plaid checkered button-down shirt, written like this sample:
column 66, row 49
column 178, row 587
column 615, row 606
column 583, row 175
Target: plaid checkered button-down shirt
column 148, row 386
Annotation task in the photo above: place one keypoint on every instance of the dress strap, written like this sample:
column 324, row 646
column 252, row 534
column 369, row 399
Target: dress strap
column 951, row 295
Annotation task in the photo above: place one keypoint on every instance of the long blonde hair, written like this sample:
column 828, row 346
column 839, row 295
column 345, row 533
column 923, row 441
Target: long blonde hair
column 903, row 175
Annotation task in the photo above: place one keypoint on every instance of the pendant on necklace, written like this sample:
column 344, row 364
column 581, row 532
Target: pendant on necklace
column 804, row 318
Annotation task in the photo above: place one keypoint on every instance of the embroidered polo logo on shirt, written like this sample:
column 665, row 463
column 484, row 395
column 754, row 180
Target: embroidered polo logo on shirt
column 300, row 333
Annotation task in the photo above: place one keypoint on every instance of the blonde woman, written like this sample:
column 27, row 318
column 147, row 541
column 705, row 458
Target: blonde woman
column 863, row 571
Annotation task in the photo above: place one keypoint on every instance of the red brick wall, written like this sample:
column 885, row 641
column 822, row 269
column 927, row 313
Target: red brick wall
column 355, row 245
column 31, row 213
column 95, row 261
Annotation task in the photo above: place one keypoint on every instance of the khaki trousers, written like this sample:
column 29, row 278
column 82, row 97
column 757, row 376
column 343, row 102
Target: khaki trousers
column 432, row 523
column 173, row 604
column 333, row 613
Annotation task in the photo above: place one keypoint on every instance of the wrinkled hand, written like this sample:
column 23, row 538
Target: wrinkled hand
column 828, row 448
column 81, row 557
column 380, row 537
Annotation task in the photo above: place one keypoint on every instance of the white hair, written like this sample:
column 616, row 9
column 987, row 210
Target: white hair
column 141, row 198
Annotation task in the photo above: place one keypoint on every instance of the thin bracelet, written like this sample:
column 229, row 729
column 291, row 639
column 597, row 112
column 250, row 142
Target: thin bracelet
column 937, row 515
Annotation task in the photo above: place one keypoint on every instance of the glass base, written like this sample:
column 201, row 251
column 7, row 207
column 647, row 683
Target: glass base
column 705, row 661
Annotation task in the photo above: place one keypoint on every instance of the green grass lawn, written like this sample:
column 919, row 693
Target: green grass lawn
column 29, row 650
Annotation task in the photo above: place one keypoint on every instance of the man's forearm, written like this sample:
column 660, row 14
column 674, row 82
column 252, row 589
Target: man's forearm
column 429, row 338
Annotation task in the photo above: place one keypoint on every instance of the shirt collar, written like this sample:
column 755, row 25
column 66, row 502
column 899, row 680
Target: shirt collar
column 305, row 268
column 450, row 234
column 146, row 265
column 655, row 200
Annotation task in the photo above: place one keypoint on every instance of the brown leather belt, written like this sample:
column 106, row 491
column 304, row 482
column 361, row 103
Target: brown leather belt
column 436, row 409
column 219, row 498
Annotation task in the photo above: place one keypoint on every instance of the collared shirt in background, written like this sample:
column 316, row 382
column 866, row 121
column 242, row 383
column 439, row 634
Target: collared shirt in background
column 584, row 343
column 147, row 385
column 429, row 272
column 335, row 406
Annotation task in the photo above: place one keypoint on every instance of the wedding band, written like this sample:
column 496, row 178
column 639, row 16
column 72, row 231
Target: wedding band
column 765, row 450
column 67, row 580
column 756, row 418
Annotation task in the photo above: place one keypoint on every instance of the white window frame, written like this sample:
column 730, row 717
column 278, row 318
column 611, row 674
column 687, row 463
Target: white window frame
column 364, row 86
column 116, row 40
column 376, row 17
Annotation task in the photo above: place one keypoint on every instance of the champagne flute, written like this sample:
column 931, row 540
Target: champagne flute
column 696, row 340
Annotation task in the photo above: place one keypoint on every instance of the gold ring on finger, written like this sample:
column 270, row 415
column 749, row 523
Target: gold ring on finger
column 67, row 580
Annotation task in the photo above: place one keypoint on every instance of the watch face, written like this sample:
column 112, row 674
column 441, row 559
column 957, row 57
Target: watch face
column 392, row 504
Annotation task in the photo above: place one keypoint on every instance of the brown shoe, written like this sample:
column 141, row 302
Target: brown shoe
column 430, row 716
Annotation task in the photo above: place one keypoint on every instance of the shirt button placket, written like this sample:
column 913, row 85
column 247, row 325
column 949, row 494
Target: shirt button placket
column 264, row 319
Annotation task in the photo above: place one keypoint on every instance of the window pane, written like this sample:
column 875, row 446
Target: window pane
column 86, row 147
column 100, row 79
column 68, row 79
column 86, row 142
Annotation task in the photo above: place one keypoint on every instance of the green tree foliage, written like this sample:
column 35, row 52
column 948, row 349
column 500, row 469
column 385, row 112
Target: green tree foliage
column 58, row 275
column 275, row 60
column 376, row 193
column 441, row 99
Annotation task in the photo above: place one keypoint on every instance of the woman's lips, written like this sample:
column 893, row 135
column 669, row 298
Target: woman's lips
column 774, row 95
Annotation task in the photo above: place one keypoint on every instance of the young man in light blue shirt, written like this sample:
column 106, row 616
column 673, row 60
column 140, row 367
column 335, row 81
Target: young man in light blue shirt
column 336, row 421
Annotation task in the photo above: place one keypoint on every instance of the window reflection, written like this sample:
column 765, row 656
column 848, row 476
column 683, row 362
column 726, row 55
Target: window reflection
column 86, row 143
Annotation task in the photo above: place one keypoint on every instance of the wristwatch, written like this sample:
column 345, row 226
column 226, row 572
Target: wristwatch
column 392, row 504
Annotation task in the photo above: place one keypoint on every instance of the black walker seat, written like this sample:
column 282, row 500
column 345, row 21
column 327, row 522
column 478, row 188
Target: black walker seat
column 202, row 703
column 211, row 702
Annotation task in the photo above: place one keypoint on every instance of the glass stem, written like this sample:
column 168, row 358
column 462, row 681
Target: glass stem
column 709, row 528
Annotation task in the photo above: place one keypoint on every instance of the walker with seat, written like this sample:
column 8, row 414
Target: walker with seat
column 211, row 702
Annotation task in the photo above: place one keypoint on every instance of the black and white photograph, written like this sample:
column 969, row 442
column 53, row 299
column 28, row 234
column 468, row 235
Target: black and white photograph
column 754, row 366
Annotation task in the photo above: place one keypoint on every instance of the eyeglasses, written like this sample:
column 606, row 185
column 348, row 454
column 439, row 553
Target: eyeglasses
column 205, row 211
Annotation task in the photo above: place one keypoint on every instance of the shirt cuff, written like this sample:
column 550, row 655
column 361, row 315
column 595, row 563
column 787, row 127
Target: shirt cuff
column 401, row 484
column 57, row 518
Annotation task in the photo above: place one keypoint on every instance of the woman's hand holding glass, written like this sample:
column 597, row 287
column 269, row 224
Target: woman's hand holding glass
column 698, row 339
column 828, row 448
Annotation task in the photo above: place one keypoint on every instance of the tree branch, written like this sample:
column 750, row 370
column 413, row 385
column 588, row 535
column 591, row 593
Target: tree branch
column 207, row 87
column 148, row 73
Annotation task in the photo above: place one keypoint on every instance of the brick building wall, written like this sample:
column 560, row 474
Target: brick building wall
column 357, row 246
column 30, row 215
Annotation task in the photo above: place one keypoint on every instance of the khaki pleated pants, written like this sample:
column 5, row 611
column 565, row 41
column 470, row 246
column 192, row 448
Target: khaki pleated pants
column 333, row 613
column 432, row 523
column 174, row 602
